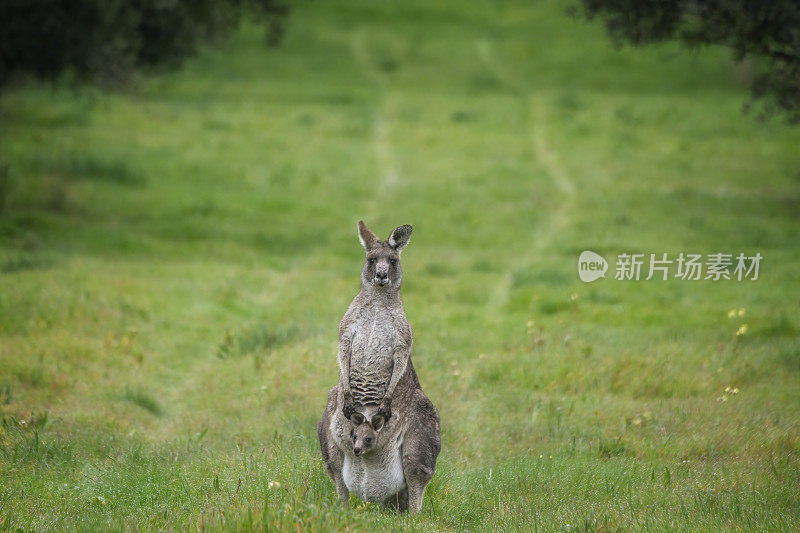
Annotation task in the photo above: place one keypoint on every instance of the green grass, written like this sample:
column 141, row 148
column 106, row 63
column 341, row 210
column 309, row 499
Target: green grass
column 174, row 261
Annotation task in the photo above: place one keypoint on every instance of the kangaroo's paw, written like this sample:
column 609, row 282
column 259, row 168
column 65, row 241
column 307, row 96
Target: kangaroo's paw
column 348, row 409
column 385, row 410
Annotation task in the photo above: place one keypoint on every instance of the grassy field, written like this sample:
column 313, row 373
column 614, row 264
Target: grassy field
column 175, row 258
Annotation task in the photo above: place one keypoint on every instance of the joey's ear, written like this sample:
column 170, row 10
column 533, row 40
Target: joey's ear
column 367, row 238
column 377, row 422
column 400, row 237
column 357, row 419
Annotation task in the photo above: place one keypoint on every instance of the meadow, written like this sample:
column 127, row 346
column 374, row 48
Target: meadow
column 175, row 257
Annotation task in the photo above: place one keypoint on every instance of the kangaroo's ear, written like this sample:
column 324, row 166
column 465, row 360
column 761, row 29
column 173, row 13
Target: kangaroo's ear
column 377, row 422
column 400, row 237
column 357, row 419
column 365, row 235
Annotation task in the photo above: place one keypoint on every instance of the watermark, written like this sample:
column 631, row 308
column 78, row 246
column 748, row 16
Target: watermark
column 591, row 266
column 684, row 266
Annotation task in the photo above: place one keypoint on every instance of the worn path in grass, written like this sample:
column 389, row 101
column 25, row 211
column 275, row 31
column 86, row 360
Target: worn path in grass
column 174, row 260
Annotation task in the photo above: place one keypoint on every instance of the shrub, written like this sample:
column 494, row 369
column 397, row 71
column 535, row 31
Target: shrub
column 106, row 40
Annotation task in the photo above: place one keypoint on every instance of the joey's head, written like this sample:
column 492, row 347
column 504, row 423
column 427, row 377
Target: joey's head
column 382, row 262
column 365, row 431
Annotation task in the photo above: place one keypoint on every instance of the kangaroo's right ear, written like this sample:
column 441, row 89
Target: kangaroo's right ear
column 367, row 238
column 400, row 237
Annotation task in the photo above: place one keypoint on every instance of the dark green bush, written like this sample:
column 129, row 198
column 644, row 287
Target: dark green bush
column 766, row 31
column 107, row 40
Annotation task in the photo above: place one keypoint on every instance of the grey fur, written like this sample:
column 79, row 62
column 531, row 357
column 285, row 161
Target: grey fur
column 379, row 396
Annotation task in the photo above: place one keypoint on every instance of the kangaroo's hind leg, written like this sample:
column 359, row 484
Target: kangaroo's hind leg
column 341, row 490
column 334, row 468
column 331, row 454
column 334, row 462
column 420, row 449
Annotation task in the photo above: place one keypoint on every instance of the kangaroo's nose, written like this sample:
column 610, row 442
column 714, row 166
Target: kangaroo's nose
column 381, row 275
column 357, row 451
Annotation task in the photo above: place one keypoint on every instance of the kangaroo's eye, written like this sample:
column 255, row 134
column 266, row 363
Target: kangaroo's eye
column 393, row 261
column 371, row 260
column 368, row 439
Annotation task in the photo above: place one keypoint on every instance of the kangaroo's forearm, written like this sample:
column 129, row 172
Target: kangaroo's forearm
column 344, row 366
column 400, row 359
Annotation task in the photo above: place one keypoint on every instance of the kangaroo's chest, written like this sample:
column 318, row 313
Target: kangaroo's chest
column 373, row 337
column 374, row 334
column 377, row 477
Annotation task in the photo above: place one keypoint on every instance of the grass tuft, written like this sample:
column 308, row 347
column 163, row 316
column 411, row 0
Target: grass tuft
column 144, row 400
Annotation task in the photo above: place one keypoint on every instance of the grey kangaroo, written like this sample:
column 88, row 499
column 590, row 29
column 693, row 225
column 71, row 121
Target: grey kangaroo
column 379, row 433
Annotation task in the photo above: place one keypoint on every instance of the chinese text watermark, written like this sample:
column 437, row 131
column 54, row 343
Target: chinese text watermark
column 684, row 266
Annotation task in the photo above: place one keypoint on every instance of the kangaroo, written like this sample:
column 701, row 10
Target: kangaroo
column 379, row 433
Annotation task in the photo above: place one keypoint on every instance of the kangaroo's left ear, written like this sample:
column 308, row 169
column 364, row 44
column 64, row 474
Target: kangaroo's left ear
column 365, row 235
column 400, row 237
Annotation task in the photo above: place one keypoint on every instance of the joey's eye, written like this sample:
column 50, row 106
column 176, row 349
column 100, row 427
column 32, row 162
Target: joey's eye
column 368, row 439
column 371, row 260
column 352, row 434
column 393, row 261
